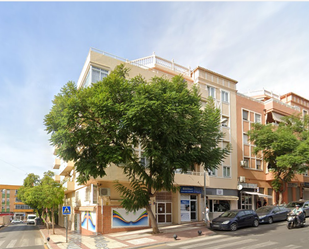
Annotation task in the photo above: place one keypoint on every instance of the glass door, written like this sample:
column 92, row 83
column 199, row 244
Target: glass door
column 193, row 207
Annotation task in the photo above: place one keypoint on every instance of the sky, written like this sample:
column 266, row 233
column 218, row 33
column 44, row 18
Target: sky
column 43, row 45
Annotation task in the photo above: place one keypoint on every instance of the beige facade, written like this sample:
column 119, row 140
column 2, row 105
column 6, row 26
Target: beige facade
column 168, row 207
column 239, row 182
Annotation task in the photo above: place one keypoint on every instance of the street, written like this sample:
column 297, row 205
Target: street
column 21, row 236
column 266, row 236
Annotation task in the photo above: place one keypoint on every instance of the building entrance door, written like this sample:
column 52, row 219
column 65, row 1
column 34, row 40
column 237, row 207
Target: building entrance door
column 193, row 207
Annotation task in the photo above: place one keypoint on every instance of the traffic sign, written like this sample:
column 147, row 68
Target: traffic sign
column 66, row 210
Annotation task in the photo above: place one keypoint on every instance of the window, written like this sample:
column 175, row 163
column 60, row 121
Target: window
column 245, row 115
column 98, row 74
column 245, row 139
column 211, row 91
column 226, row 171
column 225, row 96
column 212, row 172
column 258, row 164
column 219, row 205
column 246, row 160
column 94, row 75
column 257, row 118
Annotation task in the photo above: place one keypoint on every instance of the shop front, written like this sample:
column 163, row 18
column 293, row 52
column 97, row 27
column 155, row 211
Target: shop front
column 220, row 200
column 189, row 210
column 305, row 191
column 251, row 197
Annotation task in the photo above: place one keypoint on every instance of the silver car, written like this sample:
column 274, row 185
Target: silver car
column 303, row 204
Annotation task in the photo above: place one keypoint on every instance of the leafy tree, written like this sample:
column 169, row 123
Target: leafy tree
column 105, row 123
column 285, row 148
column 43, row 195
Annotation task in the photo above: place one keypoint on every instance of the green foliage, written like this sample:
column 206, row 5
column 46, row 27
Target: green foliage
column 100, row 125
column 42, row 193
column 285, row 148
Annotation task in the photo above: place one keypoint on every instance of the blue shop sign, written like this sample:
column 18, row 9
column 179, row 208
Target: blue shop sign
column 190, row 190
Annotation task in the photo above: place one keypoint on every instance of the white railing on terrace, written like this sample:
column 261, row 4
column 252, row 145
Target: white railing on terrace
column 150, row 62
column 178, row 171
column 263, row 92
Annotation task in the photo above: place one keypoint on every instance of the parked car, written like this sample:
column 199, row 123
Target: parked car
column 233, row 219
column 31, row 219
column 269, row 214
column 303, row 204
column 16, row 221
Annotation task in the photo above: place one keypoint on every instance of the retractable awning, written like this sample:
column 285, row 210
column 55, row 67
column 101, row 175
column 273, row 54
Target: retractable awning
column 258, row 194
column 223, row 197
column 277, row 117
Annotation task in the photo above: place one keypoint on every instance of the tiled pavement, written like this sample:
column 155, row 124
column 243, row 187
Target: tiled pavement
column 134, row 239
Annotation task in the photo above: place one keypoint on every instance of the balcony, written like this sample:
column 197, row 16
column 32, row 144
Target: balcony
column 57, row 163
column 57, row 178
column 66, row 168
column 69, row 186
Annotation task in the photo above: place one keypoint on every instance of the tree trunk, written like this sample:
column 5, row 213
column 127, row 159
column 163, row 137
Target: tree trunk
column 53, row 220
column 280, row 198
column 45, row 220
column 153, row 220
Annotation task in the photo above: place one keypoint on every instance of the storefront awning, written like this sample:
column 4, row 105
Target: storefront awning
column 259, row 194
column 277, row 117
column 222, row 197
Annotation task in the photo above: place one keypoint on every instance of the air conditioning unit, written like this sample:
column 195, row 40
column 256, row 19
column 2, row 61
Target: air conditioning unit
column 242, row 179
column 243, row 163
column 104, row 192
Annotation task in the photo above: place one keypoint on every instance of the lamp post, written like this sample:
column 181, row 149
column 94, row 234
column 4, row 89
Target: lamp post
column 205, row 215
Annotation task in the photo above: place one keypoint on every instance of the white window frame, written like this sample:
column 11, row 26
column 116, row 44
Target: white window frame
column 256, row 164
column 212, row 172
column 211, row 92
column 225, row 96
column 226, row 171
column 245, row 138
column 243, row 116
column 255, row 118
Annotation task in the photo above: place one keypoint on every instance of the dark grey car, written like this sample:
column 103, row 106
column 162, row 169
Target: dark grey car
column 269, row 214
column 303, row 204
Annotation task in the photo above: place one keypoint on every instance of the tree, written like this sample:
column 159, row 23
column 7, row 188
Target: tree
column 43, row 195
column 103, row 124
column 285, row 148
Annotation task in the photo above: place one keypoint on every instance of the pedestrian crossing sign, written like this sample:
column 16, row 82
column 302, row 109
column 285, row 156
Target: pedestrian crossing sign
column 66, row 210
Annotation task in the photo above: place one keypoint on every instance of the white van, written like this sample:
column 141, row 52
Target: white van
column 31, row 219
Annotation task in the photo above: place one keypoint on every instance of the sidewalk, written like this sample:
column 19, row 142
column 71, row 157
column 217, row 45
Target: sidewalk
column 134, row 239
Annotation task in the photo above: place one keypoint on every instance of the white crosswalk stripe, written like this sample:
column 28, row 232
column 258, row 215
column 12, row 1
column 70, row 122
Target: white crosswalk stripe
column 208, row 243
column 1, row 242
column 260, row 245
column 292, row 246
column 233, row 244
column 12, row 243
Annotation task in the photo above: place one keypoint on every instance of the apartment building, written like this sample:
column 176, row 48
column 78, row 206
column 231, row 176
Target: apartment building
column 255, row 179
column 11, row 205
column 96, row 206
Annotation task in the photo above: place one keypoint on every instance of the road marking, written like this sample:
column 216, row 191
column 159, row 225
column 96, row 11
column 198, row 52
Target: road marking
column 257, row 246
column 196, row 240
column 292, row 246
column 207, row 243
column 234, row 243
column 1, row 242
column 38, row 241
column 12, row 243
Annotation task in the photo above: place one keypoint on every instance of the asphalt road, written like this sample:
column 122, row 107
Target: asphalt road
column 267, row 236
column 21, row 236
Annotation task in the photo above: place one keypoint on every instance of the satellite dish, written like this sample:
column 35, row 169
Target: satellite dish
column 239, row 187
